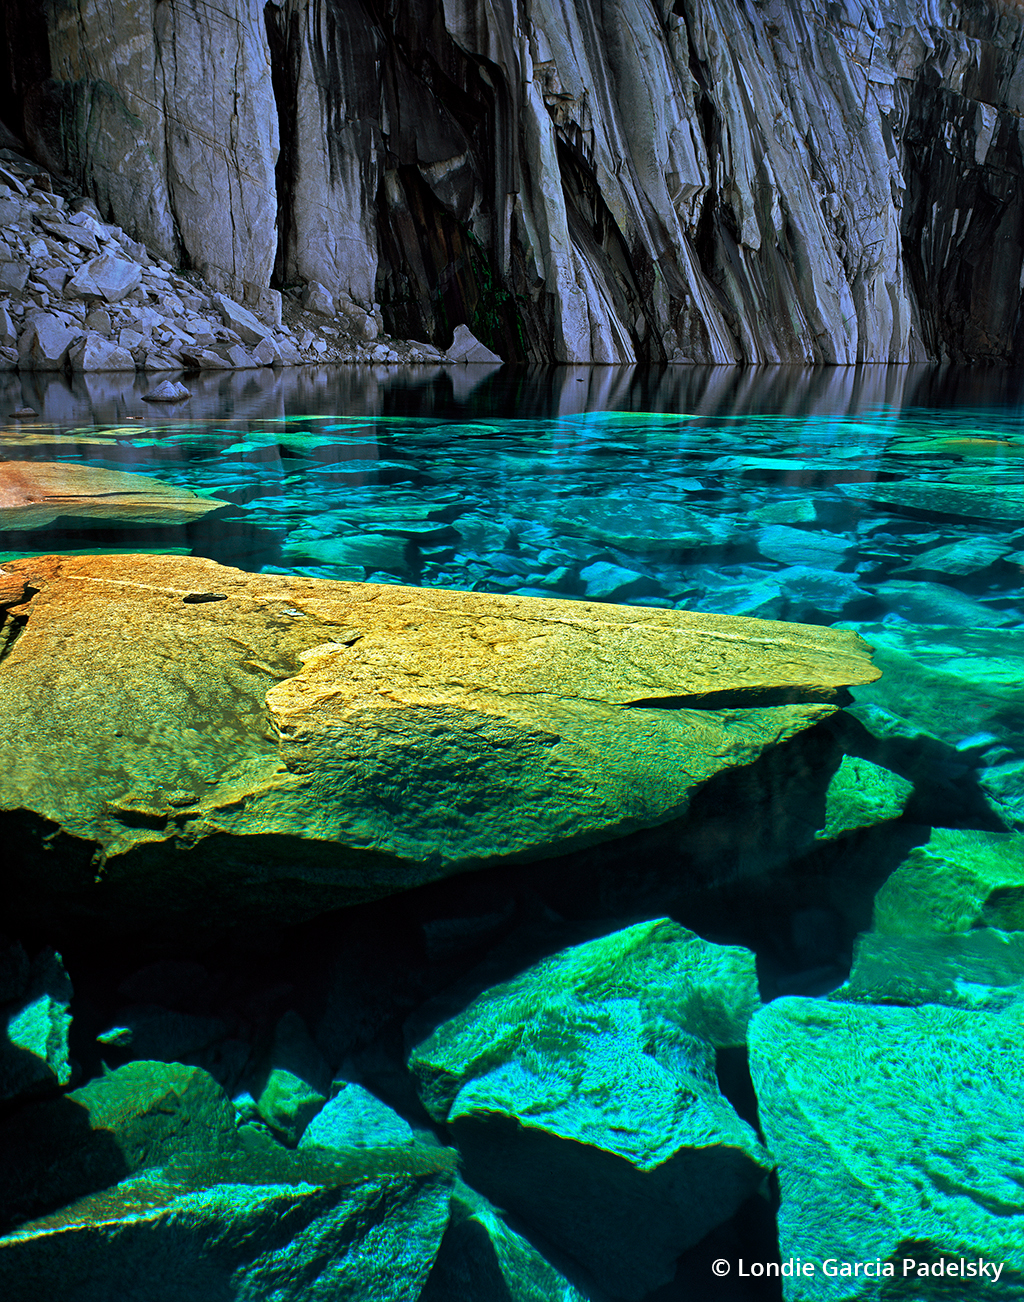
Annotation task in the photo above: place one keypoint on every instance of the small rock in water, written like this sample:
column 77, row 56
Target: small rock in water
column 23, row 413
column 166, row 391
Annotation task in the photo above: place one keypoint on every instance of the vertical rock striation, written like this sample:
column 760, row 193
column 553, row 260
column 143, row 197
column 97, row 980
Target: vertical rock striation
column 606, row 180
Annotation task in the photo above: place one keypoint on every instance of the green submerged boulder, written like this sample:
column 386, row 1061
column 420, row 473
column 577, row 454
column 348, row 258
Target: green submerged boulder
column 249, row 1233
column 482, row 1259
column 35, row 999
column 582, row 1095
column 948, row 926
column 897, row 1136
column 860, row 795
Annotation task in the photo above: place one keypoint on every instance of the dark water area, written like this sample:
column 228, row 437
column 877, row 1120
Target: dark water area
column 872, row 864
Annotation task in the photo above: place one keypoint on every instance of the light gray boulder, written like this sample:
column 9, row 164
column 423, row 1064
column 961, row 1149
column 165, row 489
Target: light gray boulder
column 465, row 347
column 167, row 391
column 106, row 277
column 249, row 329
column 94, row 353
column 315, row 298
column 45, row 342
column 13, row 276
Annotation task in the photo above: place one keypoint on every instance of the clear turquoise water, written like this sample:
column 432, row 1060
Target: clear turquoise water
column 891, row 502
column 722, row 507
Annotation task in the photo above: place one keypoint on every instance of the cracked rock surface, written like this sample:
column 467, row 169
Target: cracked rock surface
column 179, row 732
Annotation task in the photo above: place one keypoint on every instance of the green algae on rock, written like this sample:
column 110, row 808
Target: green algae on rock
column 895, row 1132
column 139, row 1116
column 861, row 795
column 582, row 1096
column 301, row 744
column 958, row 880
column 34, row 1001
column 482, row 1257
column 980, row 969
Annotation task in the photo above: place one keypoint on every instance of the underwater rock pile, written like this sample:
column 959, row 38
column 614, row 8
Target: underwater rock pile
column 431, row 945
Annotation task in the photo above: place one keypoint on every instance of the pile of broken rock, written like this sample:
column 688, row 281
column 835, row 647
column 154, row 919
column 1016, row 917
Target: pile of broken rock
column 79, row 293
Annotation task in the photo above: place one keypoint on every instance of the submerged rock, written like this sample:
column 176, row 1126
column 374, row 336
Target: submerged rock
column 355, row 1118
column 34, row 1002
column 33, row 494
column 637, row 526
column 260, row 1225
column 957, row 881
column 894, row 1132
column 861, row 795
column 980, row 969
column 951, row 683
column 355, row 740
column 582, row 1096
column 482, row 1258
column 139, row 1116
column 973, row 502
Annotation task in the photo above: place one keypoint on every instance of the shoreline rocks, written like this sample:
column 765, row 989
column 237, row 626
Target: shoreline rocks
column 80, row 295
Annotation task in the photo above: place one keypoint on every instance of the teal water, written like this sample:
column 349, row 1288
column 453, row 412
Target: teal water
column 877, row 511
column 876, row 875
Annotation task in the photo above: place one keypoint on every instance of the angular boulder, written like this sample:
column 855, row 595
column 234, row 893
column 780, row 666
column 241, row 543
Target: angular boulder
column 465, row 347
column 94, row 353
column 105, row 277
column 862, row 795
column 355, row 1118
column 981, row 969
column 481, row 1257
column 354, row 740
column 34, row 1002
column 247, row 326
column 957, row 881
column 45, row 342
column 895, row 1135
column 139, row 1116
column 258, row 1226
column 582, row 1096
column 33, row 494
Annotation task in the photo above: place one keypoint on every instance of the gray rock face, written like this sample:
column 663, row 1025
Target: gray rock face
column 623, row 193
column 582, row 1096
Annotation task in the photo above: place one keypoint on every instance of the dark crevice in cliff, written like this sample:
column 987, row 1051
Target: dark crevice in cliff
column 963, row 226
column 434, row 275
column 598, row 239
column 24, row 59
column 283, row 38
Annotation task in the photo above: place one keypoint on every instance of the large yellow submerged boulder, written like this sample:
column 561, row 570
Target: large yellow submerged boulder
column 173, row 731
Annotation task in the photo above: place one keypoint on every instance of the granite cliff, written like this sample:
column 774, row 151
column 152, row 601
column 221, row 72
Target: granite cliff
column 606, row 180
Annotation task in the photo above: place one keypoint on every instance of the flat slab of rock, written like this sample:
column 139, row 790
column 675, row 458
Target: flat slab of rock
column 895, row 1134
column 33, row 494
column 352, row 740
